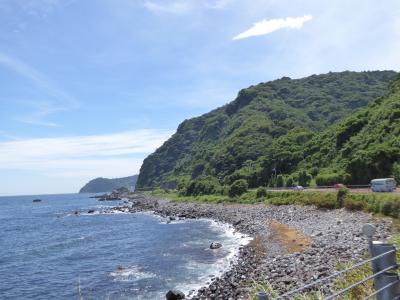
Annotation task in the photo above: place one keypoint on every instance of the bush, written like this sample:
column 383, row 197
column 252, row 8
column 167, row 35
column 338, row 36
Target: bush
column 304, row 178
column 340, row 196
column 326, row 200
column 279, row 181
column 207, row 185
column 261, row 192
column 391, row 208
column 331, row 179
column 289, row 181
column 314, row 172
column 386, row 208
column 238, row 187
column 354, row 204
column 225, row 190
column 396, row 172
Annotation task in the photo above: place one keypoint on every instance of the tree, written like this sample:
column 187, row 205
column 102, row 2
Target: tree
column 261, row 192
column 289, row 181
column 279, row 181
column 206, row 185
column 304, row 178
column 396, row 172
column 238, row 187
column 314, row 171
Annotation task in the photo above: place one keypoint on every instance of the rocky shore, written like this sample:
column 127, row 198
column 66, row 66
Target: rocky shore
column 292, row 245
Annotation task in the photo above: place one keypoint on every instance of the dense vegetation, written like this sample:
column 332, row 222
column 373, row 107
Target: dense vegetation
column 280, row 133
column 361, row 147
column 387, row 204
column 103, row 185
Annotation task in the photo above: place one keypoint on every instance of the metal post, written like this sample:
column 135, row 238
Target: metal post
column 386, row 278
column 387, row 284
column 369, row 231
column 262, row 296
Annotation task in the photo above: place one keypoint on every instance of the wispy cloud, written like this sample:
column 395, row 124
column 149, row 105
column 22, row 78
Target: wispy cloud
column 81, row 154
column 184, row 6
column 58, row 100
column 268, row 26
column 36, row 8
column 218, row 4
column 174, row 7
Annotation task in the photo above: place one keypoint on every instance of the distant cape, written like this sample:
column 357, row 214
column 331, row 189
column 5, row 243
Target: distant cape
column 103, row 185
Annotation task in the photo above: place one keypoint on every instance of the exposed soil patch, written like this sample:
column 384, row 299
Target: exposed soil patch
column 258, row 244
column 290, row 239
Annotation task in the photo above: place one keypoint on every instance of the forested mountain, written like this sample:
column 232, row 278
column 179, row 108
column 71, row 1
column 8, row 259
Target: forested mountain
column 103, row 185
column 361, row 147
column 262, row 132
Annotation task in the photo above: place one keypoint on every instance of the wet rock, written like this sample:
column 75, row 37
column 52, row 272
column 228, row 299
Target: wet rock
column 215, row 245
column 175, row 295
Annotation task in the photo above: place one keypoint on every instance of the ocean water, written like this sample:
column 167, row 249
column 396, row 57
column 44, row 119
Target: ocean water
column 48, row 252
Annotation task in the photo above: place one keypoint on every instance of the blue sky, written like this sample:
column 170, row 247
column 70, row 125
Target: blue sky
column 90, row 88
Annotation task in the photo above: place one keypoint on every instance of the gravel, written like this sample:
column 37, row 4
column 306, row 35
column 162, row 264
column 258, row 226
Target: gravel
column 331, row 235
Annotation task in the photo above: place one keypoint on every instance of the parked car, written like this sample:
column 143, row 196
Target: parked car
column 338, row 186
column 383, row 185
column 298, row 188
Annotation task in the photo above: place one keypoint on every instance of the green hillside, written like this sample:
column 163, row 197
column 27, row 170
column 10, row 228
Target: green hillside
column 361, row 147
column 103, row 185
column 262, row 132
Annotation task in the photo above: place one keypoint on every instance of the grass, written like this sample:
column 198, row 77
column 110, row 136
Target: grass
column 359, row 292
column 385, row 204
column 354, row 276
column 267, row 288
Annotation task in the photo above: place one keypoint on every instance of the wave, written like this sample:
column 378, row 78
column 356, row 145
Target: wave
column 231, row 241
column 106, row 211
column 130, row 274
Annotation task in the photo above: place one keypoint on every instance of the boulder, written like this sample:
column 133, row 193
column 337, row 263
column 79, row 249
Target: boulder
column 36, row 200
column 90, row 211
column 215, row 245
column 175, row 295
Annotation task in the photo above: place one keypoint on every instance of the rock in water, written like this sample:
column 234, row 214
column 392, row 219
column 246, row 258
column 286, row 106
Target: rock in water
column 36, row 200
column 175, row 295
column 215, row 245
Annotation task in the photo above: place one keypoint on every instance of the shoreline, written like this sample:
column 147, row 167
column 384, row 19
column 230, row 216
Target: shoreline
column 292, row 245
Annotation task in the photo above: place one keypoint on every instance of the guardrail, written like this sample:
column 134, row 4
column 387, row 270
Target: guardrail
column 384, row 265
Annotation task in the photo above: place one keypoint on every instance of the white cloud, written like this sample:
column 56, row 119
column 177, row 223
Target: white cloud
column 268, row 26
column 174, row 7
column 185, row 6
column 95, row 155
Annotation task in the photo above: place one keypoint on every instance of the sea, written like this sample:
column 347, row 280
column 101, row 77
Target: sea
column 55, row 249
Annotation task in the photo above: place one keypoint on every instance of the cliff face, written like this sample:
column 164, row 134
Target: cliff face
column 103, row 185
column 263, row 131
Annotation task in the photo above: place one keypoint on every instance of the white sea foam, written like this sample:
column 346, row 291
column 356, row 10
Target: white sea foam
column 96, row 212
column 231, row 242
column 130, row 274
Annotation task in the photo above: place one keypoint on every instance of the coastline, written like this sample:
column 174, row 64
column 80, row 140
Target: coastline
column 291, row 246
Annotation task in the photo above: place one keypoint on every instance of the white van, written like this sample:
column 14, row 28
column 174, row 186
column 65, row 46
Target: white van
column 383, row 185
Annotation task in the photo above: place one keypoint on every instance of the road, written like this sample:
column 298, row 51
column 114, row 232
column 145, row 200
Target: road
column 352, row 190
